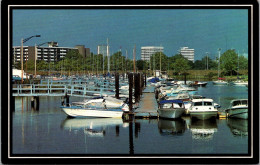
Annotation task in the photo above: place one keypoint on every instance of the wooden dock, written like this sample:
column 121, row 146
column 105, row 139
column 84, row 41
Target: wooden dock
column 147, row 107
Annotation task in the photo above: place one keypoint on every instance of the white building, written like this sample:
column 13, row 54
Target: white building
column 148, row 51
column 102, row 49
column 187, row 53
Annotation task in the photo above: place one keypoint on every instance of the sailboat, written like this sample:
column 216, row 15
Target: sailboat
column 239, row 82
column 220, row 80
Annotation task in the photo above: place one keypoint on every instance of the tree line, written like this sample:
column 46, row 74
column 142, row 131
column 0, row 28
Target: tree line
column 230, row 63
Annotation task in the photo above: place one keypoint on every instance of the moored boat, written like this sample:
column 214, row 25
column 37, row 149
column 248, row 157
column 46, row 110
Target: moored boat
column 171, row 109
column 238, row 109
column 95, row 109
column 240, row 83
column 203, row 109
column 220, row 82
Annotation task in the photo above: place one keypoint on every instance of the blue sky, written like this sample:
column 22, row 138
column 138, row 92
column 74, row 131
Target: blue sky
column 205, row 30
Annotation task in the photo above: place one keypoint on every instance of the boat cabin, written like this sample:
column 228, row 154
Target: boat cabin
column 240, row 102
column 169, row 104
column 200, row 104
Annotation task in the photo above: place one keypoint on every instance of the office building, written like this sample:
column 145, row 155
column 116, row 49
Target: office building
column 148, row 51
column 187, row 53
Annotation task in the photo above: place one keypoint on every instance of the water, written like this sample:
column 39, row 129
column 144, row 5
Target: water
column 49, row 131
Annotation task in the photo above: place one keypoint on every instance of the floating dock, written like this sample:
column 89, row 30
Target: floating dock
column 148, row 104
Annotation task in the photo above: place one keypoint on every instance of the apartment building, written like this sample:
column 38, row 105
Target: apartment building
column 187, row 53
column 148, row 51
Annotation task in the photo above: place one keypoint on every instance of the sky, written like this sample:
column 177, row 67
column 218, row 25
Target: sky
column 204, row 30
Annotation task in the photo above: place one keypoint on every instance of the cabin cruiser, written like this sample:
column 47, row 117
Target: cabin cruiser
column 238, row 109
column 171, row 109
column 203, row 109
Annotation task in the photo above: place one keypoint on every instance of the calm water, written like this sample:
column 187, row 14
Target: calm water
column 49, row 131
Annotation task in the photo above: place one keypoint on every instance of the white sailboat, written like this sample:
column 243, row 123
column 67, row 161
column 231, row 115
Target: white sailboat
column 220, row 81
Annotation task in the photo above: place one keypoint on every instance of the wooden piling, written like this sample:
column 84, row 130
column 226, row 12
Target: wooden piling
column 117, row 85
column 137, row 87
column 145, row 80
column 130, row 81
column 67, row 99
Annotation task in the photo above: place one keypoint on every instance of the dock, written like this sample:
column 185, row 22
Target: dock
column 148, row 105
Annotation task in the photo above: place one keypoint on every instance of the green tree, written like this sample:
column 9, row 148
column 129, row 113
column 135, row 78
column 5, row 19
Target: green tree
column 181, row 65
column 229, row 62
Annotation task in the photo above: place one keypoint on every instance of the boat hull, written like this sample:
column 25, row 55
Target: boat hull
column 203, row 115
column 171, row 113
column 77, row 112
column 241, row 113
column 219, row 83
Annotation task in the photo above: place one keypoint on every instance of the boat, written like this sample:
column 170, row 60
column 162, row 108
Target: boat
column 171, row 109
column 240, row 83
column 110, row 102
column 202, row 109
column 238, row 109
column 95, row 109
column 220, row 81
column 198, row 84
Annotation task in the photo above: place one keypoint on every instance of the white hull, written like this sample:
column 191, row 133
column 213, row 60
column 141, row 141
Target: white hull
column 92, row 113
column 171, row 113
column 240, row 84
column 241, row 113
column 203, row 115
column 220, row 83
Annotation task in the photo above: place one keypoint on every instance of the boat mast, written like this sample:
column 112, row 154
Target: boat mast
column 218, row 59
column 237, row 63
column 108, row 58
column 134, row 57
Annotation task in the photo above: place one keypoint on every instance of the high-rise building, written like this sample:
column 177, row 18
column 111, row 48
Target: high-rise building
column 187, row 53
column 148, row 51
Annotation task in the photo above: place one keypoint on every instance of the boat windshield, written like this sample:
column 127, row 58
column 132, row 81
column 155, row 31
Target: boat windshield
column 207, row 103
column 244, row 102
column 198, row 104
column 240, row 102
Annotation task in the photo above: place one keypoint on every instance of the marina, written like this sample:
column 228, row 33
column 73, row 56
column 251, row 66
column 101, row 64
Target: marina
column 149, row 133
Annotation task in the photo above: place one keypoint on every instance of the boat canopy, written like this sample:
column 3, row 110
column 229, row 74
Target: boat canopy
column 221, row 78
column 154, row 80
column 170, row 101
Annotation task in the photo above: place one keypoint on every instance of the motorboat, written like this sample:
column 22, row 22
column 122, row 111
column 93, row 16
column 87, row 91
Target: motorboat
column 198, row 84
column 240, row 83
column 220, row 82
column 95, row 109
column 110, row 102
column 202, row 109
column 171, row 109
column 238, row 109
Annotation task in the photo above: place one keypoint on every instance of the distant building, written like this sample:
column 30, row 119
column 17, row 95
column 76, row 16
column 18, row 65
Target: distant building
column 50, row 53
column 187, row 53
column 102, row 49
column 148, row 51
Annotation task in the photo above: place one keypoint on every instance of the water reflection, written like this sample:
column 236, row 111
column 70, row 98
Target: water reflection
column 94, row 127
column 171, row 127
column 238, row 127
column 203, row 129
